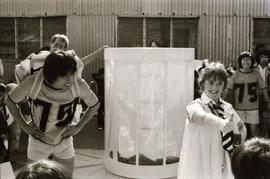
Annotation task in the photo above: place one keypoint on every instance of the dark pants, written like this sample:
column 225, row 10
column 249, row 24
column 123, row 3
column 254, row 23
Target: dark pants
column 100, row 117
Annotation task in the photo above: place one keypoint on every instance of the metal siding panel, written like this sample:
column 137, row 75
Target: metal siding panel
column 97, row 26
column 215, row 42
column 9, row 66
column 134, row 7
column 87, row 34
column 267, row 8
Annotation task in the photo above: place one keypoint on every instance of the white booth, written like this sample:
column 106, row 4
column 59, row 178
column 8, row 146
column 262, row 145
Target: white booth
column 146, row 92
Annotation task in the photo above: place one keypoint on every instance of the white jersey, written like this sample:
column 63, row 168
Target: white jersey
column 53, row 110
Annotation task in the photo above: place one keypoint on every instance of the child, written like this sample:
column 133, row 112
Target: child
column 155, row 43
column 245, row 85
column 262, row 57
column 208, row 141
column 54, row 91
column 251, row 159
column 43, row 169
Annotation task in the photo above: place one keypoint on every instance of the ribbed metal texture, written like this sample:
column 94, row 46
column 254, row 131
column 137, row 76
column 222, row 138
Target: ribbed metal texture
column 87, row 34
column 223, row 31
column 9, row 66
column 135, row 7
column 222, row 38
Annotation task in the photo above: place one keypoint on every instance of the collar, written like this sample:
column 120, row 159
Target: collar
column 261, row 68
column 206, row 100
column 50, row 86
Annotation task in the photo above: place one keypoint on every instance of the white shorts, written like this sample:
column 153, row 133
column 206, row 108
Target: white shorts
column 38, row 150
column 249, row 117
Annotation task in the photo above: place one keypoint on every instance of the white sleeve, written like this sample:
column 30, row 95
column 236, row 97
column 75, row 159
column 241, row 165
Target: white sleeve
column 10, row 119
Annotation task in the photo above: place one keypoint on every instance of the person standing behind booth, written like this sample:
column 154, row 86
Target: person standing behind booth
column 212, row 128
column 54, row 92
column 155, row 43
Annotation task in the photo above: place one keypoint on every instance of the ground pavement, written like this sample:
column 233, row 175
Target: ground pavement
column 89, row 150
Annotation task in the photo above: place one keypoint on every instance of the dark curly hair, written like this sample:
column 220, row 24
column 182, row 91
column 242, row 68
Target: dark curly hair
column 262, row 52
column 58, row 64
column 251, row 160
column 245, row 54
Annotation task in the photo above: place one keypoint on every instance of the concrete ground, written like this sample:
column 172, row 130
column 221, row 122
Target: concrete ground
column 89, row 150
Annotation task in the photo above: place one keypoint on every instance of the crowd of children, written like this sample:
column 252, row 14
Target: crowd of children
column 230, row 107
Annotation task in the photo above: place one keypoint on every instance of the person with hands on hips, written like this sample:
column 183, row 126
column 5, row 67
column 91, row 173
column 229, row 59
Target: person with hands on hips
column 210, row 130
column 54, row 92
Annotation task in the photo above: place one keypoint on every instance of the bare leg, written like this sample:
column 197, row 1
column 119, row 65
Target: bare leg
column 254, row 131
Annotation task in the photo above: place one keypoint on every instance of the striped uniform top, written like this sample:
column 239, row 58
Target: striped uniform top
column 53, row 110
column 245, row 87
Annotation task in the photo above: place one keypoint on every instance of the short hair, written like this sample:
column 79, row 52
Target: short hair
column 157, row 41
column 43, row 169
column 251, row 160
column 245, row 54
column 216, row 71
column 259, row 47
column 262, row 52
column 58, row 64
column 63, row 37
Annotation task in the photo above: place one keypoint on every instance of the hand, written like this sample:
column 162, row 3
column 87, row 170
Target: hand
column 226, row 125
column 105, row 46
column 32, row 129
column 71, row 131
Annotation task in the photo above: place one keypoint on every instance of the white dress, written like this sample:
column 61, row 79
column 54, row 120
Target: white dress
column 202, row 154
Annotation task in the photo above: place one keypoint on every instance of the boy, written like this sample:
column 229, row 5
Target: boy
column 54, row 92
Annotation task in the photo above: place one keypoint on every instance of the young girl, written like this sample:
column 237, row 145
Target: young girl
column 207, row 141
column 245, row 84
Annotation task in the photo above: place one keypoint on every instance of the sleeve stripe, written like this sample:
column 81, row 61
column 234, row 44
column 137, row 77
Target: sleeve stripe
column 229, row 89
column 11, row 99
column 94, row 105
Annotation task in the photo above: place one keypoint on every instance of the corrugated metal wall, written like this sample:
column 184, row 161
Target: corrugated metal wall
column 224, row 25
column 94, row 31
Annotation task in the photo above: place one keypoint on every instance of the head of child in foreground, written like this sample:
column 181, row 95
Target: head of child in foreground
column 251, row 160
column 59, row 69
column 43, row 169
column 246, row 61
column 214, row 80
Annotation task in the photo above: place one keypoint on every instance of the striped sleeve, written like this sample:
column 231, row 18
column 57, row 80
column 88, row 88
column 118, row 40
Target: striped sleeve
column 87, row 95
column 22, row 90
